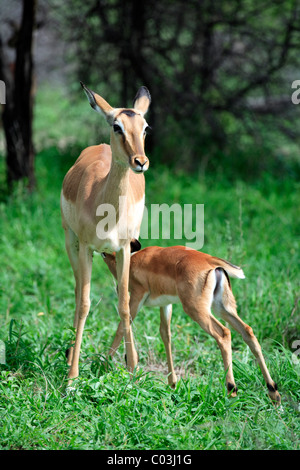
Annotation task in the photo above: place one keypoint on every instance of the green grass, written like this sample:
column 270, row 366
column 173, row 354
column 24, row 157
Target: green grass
column 253, row 225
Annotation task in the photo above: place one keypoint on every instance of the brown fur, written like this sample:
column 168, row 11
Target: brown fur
column 102, row 175
column 201, row 282
column 97, row 159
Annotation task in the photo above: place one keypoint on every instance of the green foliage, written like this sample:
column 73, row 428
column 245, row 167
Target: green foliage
column 220, row 75
column 252, row 225
column 213, row 148
column 58, row 114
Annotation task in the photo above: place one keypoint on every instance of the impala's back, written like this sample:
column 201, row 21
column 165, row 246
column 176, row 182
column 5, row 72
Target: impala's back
column 171, row 271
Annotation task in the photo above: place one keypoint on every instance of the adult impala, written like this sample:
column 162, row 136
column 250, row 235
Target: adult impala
column 163, row 276
column 106, row 177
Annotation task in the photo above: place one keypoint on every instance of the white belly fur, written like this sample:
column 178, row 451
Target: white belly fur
column 112, row 242
column 161, row 301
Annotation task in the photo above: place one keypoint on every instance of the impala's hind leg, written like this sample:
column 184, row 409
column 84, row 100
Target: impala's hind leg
column 227, row 308
column 165, row 333
column 198, row 307
column 223, row 337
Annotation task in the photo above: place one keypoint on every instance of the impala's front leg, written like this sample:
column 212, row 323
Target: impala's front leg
column 82, row 305
column 122, row 264
column 165, row 333
column 136, row 300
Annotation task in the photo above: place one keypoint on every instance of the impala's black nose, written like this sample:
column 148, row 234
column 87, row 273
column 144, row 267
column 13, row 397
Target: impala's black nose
column 140, row 163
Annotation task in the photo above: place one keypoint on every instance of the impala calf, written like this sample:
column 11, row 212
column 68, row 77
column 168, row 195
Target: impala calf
column 101, row 177
column 164, row 276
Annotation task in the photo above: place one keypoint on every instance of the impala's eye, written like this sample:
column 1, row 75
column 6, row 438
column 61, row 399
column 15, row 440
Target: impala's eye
column 117, row 129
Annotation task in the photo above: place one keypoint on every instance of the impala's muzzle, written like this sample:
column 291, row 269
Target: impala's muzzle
column 139, row 163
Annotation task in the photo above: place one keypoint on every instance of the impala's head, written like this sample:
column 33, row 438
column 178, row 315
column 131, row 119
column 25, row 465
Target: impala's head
column 110, row 258
column 128, row 128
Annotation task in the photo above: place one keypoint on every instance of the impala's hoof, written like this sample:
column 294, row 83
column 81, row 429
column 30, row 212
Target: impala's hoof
column 138, row 358
column 69, row 355
column 274, row 394
column 232, row 390
column 172, row 380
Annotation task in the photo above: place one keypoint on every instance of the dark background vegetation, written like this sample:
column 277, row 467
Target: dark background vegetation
column 220, row 75
column 226, row 135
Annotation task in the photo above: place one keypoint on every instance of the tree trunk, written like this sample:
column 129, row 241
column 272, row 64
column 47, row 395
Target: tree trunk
column 18, row 111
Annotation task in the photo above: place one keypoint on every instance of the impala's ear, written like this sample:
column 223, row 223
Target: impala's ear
column 142, row 100
column 98, row 103
column 135, row 245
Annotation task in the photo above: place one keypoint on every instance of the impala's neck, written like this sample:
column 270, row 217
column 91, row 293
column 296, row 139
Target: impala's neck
column 116, row 189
